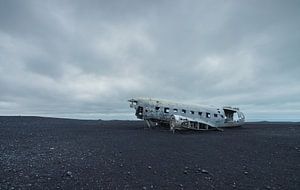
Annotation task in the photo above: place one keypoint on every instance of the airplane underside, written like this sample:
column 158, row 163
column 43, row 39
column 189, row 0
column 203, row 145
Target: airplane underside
column 187, row 125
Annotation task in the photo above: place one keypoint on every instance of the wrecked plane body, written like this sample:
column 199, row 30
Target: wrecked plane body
column 182, row 116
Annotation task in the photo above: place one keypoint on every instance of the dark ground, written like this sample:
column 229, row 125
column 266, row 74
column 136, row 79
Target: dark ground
column 47, row 153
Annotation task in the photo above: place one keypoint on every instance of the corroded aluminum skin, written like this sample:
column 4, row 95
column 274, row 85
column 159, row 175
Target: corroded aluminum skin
column 171, row 114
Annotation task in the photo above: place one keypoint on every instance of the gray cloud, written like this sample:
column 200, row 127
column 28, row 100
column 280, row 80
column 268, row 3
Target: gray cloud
column 86, row 58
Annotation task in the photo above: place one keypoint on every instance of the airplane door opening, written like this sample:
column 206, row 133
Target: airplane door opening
column 139, row 112
column 228, row 115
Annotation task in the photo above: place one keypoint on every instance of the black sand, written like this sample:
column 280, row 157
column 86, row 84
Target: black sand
column 47, row 153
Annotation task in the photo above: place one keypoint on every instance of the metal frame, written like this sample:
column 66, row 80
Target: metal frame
column 179, row 116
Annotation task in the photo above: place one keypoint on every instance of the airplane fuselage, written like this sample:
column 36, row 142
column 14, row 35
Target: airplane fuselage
column 184, row 116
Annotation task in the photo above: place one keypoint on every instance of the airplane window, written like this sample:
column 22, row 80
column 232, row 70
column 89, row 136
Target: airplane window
column 175, row 110
column 207, row 115
column 156, row 108
column 192, row 112
column 222, row 116
column 199, row 113
column 215, row 115
column 183, row 111
column 167, row 110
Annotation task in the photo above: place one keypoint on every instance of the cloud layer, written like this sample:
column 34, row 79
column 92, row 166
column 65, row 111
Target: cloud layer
column 84, row 59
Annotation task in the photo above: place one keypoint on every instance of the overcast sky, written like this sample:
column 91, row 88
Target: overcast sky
column 85, row 59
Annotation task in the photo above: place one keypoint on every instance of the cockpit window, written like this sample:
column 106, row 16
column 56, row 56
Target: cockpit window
column 183, row 111
column 192, row 112
column 175, row 110
column 157, row 108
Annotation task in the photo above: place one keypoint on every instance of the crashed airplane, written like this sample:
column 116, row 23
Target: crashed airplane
column 182, row 116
